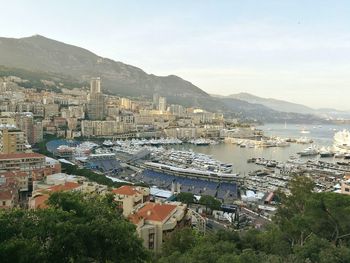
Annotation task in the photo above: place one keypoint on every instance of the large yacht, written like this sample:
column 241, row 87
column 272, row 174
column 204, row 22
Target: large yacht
column 310, row 151
column 342, row 140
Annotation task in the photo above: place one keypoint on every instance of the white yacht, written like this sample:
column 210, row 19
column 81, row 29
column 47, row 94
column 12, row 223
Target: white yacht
column 310, row 151
column 304, row 131
column 342, row 140
column 304, row 140
column 107, row 143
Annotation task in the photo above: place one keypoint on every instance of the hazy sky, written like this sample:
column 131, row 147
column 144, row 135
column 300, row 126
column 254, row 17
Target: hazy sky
column 293, row 50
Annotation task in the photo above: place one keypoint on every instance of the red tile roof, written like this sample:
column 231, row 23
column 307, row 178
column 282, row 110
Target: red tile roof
column 20, row 155
column 40, row 201
column 135, row 219
column 126, row 190
column 155, row 211
column 6, row 195
column 14, row 174
column 63, row 187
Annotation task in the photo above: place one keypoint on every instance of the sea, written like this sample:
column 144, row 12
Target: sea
column 230, row 153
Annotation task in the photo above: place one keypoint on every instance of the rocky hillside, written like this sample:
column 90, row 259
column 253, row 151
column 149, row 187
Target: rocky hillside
column 38, row 53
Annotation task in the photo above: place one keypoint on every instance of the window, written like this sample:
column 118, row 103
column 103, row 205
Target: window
column 347, row 189
column 151, row 241
column 3, row 203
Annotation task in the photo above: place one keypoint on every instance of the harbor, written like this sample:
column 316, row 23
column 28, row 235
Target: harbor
column 224, row 168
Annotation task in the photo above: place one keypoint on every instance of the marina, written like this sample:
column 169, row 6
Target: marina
column 221, row 168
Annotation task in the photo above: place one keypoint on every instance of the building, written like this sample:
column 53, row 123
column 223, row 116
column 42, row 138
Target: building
column 7, row 120
column 31, row 128
column 26, row 162
column 162, row 106
column 51, row 110
column 12, row 141
column 95, row 107
column 76, row 112
column 155, row 101
column 6, row 199
column 345, row 187
column 154, row 221
column 182, row 133
column 40, row 196
column 177, row 110
column 95, row 85
column 103, row 128
column 9, row 197
column 21, row 178
column 125, row 104
column 130, row 196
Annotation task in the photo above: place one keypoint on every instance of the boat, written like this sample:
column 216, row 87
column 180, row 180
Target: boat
column 271, row 164
column 342, row 140
column 107, row 143
column 282, row 143
column 310, row 151
column 200, row 142
column 339, row 155
column 304, row 131
column 251, row 160
column 326, row 152
column 304, row 140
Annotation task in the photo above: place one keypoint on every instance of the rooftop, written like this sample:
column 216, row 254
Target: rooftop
column 126, row 190
column 39, row 201
column 63, row 187
column 5, row 195
column 20, row 156
column 155, row 211
column 12, row 174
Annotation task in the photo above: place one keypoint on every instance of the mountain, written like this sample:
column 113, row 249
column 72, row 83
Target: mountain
column 285, row 106
column 39, row 57
column 38, row 53
column 274, row 104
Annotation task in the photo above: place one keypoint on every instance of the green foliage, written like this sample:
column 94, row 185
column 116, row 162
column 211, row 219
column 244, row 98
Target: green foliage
column 75, row 228
column 187, row 198
column 34, row 79
column 92, row 176
column 308, row 227
column 210, row 202
column 180, row 241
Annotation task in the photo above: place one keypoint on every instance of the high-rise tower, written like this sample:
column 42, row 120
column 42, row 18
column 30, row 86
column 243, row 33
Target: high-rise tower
column 95, row 108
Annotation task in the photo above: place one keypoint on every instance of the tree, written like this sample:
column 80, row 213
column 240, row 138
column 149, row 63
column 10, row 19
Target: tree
column 304, row 213
column 180, row 240
column 75, row 228
column 291, row 215
column 308, row 227
column 187, row 198
column 210, row 202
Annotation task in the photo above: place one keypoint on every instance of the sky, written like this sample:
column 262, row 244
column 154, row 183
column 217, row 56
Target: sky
column 293, row 50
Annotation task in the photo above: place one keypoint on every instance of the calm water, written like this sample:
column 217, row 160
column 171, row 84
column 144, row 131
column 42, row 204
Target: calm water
column 322, row 135
column 225, row 152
